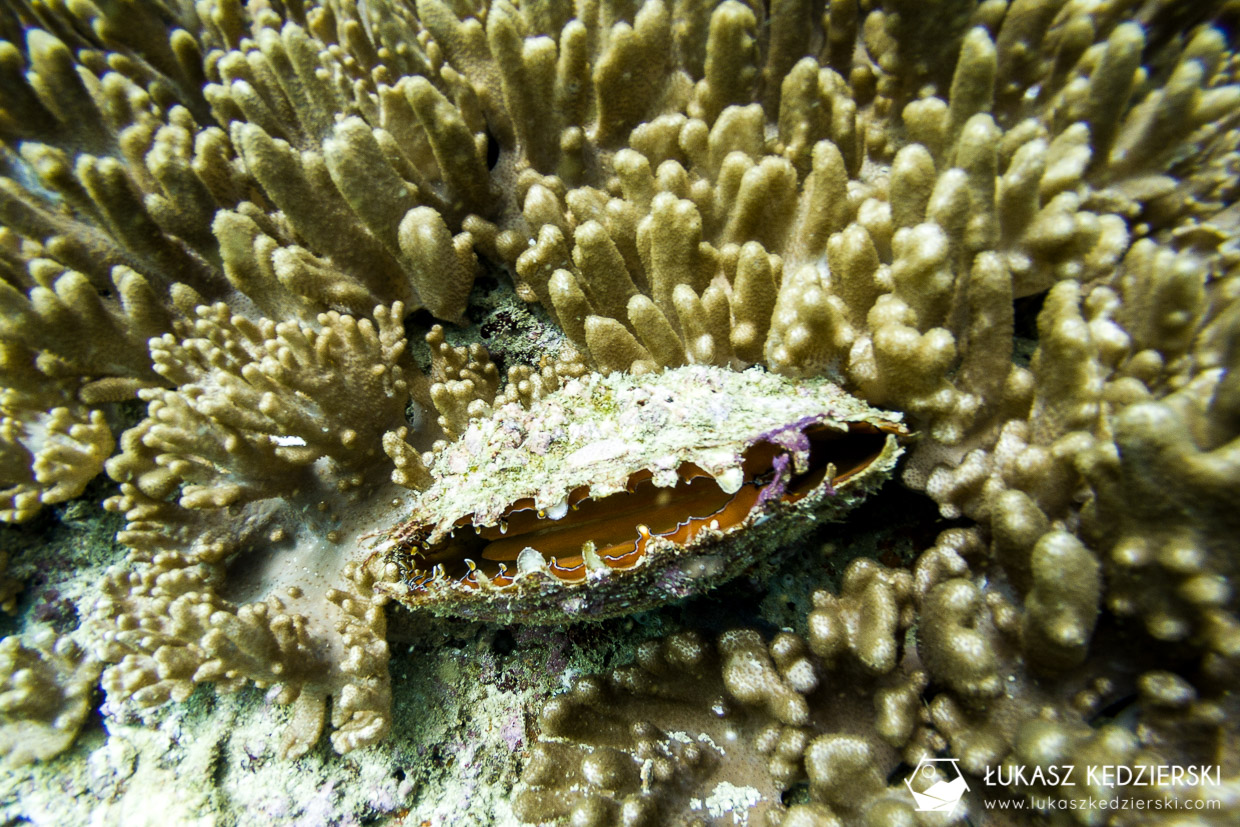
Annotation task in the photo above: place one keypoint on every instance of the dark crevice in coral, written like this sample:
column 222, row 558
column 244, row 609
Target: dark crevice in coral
column 514, row 331
column 1165, row 31
column 416, row 325
column 493, row 149
column 899, row 773
column 219, row 772
column 891, row 526
column 94, row 730
column 796, row 794
column 1025, row 311
column 503, row 643
column 1115, row 711
column 901, row 521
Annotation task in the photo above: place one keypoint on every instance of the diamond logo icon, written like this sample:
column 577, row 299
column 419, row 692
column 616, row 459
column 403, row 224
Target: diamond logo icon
column 947, row 786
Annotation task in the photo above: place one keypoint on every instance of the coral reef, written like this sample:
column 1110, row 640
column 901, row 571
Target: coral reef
column 837, row 716
column 1012, row 223
column 234, row 465
column 46, row 684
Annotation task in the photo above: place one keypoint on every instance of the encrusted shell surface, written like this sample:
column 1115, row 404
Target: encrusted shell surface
column 601, row 433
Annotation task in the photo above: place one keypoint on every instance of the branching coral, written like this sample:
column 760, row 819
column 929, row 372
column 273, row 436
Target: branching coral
column 49, row 457
column 226, row 209
column 156, row 168
column 234, row 487
column 1171, row 562
column 827, row 711
column 46, row 683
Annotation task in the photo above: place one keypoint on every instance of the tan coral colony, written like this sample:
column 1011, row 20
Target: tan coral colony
column 768, row 253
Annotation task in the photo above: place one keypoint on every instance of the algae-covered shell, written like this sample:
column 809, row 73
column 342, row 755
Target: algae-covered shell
column 620, row 492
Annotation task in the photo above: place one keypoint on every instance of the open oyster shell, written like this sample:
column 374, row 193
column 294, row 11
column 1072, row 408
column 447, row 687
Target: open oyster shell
column 619, row 493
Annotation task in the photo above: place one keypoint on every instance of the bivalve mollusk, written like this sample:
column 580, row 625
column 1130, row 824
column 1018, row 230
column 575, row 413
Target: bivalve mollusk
column 620, row 492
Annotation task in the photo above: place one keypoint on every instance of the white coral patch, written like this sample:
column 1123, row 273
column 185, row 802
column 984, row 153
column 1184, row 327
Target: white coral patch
column 729, row 798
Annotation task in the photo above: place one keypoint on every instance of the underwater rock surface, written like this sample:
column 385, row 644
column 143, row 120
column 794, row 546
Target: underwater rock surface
column 291, row 287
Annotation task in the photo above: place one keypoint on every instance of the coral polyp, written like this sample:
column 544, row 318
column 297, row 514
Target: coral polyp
column 654, row 232
column 620, row 493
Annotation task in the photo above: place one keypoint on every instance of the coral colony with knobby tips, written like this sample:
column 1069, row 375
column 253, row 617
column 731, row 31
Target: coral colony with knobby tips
column 467, row 412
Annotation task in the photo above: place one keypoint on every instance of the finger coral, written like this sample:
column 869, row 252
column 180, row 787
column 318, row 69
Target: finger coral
column 239, row 464
column 731, row 232
column 46, row 683
column 743, row 724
